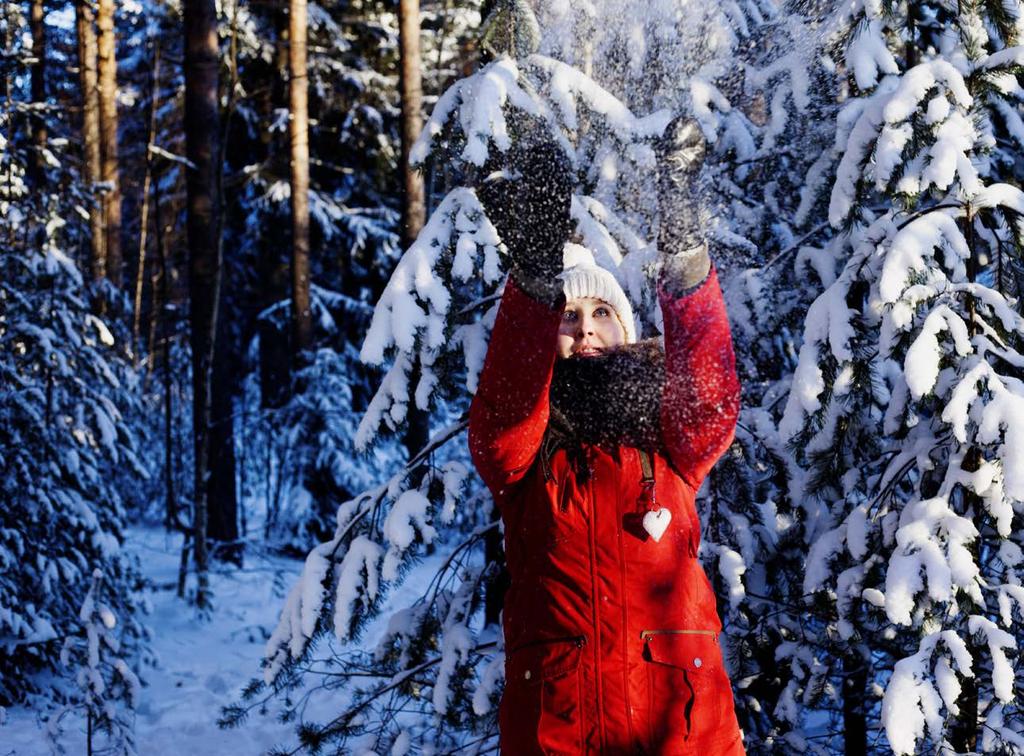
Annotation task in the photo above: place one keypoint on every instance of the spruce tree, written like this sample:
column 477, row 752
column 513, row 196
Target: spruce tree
column 69, row 450
column 107, row 688
column 905, row 409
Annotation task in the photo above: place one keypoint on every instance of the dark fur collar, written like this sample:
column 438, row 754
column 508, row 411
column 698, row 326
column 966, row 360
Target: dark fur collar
column 609, row 400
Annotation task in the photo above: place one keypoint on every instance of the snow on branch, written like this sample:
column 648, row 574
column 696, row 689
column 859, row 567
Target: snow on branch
column 353, row 568
column 413, row 317
column 912, row 702
column 474, row 109
column 931, row 103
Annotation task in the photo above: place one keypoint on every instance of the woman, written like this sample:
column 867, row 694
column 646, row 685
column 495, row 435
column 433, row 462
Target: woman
column 594, row 447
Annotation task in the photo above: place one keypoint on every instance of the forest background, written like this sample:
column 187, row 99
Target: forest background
column 245, row 293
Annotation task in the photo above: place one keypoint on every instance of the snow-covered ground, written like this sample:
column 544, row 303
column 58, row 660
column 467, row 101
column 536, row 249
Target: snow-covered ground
column 201, row 664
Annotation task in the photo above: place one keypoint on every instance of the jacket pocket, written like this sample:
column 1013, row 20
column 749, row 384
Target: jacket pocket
column 689, row 697
column 692, row 650
column 541, row 705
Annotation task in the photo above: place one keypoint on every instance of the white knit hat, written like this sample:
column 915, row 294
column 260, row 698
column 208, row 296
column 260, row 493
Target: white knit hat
column 584, row 278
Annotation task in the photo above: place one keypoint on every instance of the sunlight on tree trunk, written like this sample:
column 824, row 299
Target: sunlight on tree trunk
column 413, row 204
column 298, row 133
column 107, row 51
column 87, row 54
column 144, row 215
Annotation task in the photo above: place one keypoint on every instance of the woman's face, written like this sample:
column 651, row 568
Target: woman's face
column 588, row 326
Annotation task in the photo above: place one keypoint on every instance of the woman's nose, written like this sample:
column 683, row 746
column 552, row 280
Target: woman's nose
column 585, row 327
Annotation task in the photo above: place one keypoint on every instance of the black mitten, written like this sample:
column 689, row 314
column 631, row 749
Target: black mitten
column 526, row 194
column 681, row 151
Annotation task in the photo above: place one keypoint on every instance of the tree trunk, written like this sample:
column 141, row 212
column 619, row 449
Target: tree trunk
column 222, row 493
column 910, row 48
column 87, row 52
column 202, row 149
column 273, row 341
column 37, row 165
column 298, row 132
column 855, row 684
column 413, row 205
column 965, row 728
column 140, row 270
column 273, row 270
column 163, row 315
column 107, row 49
column 963, row 734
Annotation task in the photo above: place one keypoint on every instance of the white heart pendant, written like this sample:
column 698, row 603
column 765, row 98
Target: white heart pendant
column 656, row 522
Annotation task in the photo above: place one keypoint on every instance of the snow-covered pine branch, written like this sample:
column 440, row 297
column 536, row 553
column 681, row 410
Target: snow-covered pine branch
column 351, row 571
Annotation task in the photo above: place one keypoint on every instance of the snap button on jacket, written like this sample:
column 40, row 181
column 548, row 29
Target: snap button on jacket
column 611, row 637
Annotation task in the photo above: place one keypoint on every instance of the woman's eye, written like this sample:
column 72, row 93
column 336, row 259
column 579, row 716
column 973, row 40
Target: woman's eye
column 601, row 312
column 569, row 317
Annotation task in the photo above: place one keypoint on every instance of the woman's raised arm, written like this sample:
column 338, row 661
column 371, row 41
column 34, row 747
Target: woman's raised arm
column 527, row 195
column 700, row 400
column 510, row 410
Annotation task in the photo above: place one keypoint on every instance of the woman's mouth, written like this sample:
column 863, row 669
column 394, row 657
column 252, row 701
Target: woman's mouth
column 587, row 351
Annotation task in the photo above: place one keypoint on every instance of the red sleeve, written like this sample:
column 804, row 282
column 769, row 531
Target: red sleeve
column 510, row 410
column 701, row 398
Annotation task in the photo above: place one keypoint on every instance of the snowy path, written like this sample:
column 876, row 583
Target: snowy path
column 201, row 665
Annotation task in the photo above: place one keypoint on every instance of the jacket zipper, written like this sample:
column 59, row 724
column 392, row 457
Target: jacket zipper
column 588, row 493
column 645, row 634
column 646, row 468
column 622, row 587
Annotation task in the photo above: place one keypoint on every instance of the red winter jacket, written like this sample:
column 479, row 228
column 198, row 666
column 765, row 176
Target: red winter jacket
column 611, row 642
